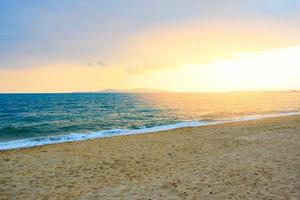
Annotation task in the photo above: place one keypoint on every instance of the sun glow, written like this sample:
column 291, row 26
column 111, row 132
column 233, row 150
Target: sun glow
column 265, row 70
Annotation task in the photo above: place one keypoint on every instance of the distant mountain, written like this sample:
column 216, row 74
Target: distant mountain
column 136, row 90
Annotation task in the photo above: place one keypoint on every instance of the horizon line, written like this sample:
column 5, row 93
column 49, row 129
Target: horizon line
column 120, row 92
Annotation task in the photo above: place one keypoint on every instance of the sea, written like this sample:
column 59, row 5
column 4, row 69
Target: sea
column 28, row 120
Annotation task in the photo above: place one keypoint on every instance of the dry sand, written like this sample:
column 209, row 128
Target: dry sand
column 244, row 160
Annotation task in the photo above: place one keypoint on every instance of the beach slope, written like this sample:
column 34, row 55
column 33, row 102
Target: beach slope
column 257, row 159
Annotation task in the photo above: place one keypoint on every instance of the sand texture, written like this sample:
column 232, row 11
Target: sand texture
column 242, row 160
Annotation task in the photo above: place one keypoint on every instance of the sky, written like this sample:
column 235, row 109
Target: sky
column 175, row 45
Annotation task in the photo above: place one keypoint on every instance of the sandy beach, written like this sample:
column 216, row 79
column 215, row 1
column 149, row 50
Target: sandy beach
column 242, row 160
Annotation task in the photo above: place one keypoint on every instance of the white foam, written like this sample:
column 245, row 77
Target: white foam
column 39, row 141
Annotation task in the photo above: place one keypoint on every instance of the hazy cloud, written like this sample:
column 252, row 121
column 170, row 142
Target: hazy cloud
column 96, row 64
column 35, row 33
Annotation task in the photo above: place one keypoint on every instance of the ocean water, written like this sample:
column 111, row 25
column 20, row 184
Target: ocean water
column 37, row 119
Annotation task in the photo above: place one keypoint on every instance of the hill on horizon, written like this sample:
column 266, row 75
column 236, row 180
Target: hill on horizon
column 135, row 90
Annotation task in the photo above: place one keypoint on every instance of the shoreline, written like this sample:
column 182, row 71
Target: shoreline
column 75, row 137
column 257, row 159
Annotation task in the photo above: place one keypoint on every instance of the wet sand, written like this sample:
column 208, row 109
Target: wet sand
column 241, row 160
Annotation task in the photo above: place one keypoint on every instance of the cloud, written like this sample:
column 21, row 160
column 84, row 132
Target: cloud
column 39, row 33
column 203, row 42
column 96, row 64
column 100, row 63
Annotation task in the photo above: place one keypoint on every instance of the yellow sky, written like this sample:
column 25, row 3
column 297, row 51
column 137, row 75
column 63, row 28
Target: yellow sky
column 189, row 57
column 179, row 44
column 271, row 69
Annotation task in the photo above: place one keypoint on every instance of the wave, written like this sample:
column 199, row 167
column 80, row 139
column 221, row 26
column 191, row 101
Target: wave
column 39, row 141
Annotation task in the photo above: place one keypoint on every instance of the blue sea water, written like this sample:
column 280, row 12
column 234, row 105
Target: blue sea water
column 36, row 119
